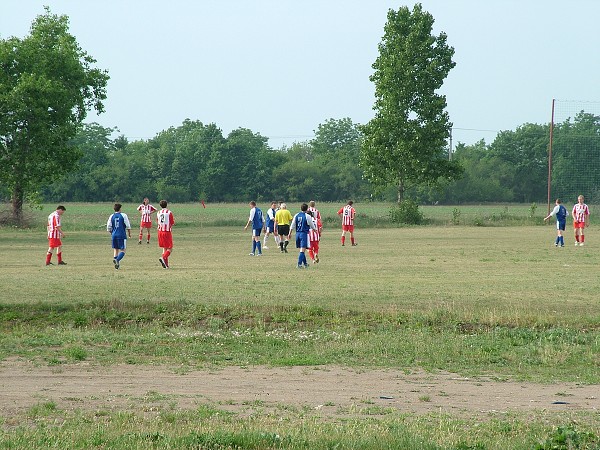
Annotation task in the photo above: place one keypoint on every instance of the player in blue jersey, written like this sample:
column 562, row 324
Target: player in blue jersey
column 119, row 227
column 258, row 223
column 561, row 214
column 302, row 224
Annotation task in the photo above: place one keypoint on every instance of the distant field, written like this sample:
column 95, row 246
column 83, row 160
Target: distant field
column 500, row 301
column 92, row 216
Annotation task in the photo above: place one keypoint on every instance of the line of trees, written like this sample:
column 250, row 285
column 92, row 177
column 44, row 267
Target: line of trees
column 196, row 161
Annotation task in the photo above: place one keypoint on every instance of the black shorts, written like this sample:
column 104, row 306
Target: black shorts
column 283, row 230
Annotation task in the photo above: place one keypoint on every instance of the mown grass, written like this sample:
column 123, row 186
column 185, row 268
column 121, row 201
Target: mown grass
column 499, row 301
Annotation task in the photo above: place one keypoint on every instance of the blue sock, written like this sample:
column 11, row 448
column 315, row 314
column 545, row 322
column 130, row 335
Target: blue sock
column 120, row 256
column 299, row 259
column 557, row 240
column 562, row 240
column 258, row 246
column 253, row 246
column 303, row 258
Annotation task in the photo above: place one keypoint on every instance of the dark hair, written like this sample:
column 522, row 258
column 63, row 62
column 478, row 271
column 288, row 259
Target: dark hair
column 304, row 207
column 253, row 203
column 350, row 202
column 117, row 207
column 163, row 203
column 61, row 207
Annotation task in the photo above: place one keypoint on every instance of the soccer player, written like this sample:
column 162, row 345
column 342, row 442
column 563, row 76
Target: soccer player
column 314, row 237
column 270, row 226
column 258, row 223
column 55, row 235
column 283, row 219
column 302, row 223
column 580, row 213
column 165, row 222
column 119, row 227
column 315, row 212
column 146, row 210
column 347, row 214
column 561, row 214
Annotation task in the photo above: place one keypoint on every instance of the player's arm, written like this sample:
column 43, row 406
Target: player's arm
column 250, row 219
column 109, row 224
column 127, row 224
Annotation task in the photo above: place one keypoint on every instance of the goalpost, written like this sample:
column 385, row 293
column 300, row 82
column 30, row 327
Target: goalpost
column 574, row 152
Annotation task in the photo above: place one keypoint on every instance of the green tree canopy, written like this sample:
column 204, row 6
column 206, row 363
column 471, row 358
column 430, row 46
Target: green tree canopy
column 405, row 143
column 47, row 86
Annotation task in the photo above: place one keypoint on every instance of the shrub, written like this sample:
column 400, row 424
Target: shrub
column 406, row 212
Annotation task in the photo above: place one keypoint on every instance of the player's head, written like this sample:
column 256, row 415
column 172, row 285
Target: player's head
column 163, row 203
column 283, row 205
column 558, row 202
column 117, row 207
column 580, row 199
column 303, row 207
column 146, row 201
column 60, row 209
column 311, row 203
column 273, row 205
column 252, row 204
column 350, row 202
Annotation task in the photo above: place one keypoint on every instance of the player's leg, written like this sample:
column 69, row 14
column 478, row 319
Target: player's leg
column 142, row 234
column 49, row 256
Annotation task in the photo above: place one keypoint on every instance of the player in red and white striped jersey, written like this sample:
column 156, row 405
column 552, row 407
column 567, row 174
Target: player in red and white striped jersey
column 315, row 212
column 347, row 214
column 580, row 213
column 146, row 210
column 165, row 222
column 55, row 235
column 314, row 238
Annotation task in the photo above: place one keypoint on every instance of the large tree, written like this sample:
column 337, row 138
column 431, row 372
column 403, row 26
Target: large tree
column 47, row 86
column 405, row 143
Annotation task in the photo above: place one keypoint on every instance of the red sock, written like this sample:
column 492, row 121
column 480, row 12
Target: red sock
column 59, row 256
column 166, row 256
column 582, row 238
column 148, row 239
column 311, row 254
column 48, row 258
column 141, row 236
column 576, row 238
column 343, row 239
column 352, row 240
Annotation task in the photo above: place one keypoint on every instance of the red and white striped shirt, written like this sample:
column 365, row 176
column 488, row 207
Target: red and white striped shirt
column 348, row 213
column 580, row 212
column 164, row 219
column 314, row 233
column 53, row 225
column 146, row 211
column 315, row 211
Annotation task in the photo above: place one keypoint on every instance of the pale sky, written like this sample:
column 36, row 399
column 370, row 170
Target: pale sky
column 282, row 67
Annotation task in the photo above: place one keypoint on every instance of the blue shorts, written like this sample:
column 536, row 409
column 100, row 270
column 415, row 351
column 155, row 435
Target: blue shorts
column 302, row 240
column 561, row 224
column 256, row 231
column 119, row 243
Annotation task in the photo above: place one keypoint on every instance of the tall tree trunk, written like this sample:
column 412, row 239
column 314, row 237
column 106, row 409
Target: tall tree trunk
column 17, row 204
column 400, row 191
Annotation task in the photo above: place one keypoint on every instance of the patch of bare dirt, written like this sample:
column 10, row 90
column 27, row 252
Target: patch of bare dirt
column 331, row 390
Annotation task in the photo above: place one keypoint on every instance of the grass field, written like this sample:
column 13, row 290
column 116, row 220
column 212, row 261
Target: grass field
column 498, row 301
